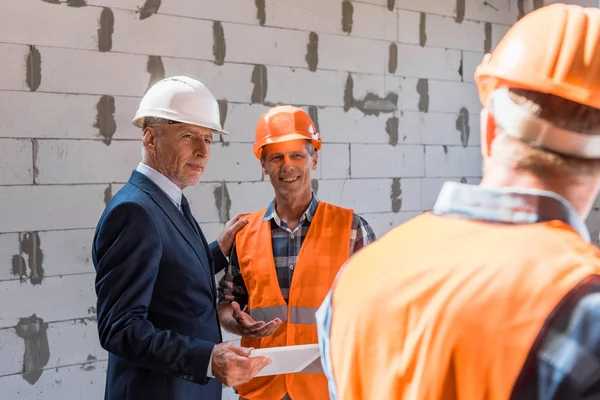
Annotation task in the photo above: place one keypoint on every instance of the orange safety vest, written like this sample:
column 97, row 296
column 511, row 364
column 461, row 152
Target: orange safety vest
column 449, row 308
column 324, row 251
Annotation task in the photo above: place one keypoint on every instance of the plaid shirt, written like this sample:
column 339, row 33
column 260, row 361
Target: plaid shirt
column 286, row 247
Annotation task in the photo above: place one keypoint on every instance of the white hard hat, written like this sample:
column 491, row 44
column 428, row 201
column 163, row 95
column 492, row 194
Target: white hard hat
column 181, row 99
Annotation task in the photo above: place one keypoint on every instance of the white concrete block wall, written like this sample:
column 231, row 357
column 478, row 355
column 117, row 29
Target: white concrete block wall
column 390, row 84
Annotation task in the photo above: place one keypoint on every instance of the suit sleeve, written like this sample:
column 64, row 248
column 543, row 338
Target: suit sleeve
column 220, row 261
column 127, row 251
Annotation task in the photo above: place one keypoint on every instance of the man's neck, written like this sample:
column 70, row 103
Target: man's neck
column 578, row 192
column 290, row 209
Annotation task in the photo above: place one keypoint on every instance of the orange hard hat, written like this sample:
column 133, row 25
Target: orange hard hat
column 282, row 124
column 554, row 50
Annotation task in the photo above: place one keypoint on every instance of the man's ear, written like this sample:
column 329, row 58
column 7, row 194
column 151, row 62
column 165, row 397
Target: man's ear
column 263, row 166
column 488, row 132
column 315, row 160
column 149, row 138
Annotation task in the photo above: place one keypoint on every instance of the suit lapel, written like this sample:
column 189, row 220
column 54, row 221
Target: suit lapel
column 198, row 243
column 209, row 256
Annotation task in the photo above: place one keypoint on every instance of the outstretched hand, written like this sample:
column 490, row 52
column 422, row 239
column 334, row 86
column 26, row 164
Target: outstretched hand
column 249, row 327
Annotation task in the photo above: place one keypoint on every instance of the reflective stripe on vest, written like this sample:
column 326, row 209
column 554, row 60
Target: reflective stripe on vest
column 324, row 250
column 298, row 315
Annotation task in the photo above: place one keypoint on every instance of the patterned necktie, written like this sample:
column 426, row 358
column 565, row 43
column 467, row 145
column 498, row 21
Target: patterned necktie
column 185, row 206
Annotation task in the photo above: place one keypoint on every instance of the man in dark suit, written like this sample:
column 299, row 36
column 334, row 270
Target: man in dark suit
column 155, row 270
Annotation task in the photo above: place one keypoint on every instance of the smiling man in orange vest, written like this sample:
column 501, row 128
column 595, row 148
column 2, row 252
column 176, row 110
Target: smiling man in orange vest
column 285, row 259
column 496, row 293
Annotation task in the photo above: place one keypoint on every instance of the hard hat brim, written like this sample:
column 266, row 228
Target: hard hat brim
column 139, row 122
column 258, row 148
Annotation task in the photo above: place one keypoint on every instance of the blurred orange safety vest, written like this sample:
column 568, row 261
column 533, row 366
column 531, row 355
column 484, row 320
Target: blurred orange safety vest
column 325, row 249
column 452, row 312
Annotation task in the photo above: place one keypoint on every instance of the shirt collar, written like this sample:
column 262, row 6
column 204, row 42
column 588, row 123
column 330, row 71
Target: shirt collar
column 164, row 183
column 508, row 205
column 271, row 213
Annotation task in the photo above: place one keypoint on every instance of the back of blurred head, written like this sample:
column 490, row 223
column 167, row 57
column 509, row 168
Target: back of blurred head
column 540, row 89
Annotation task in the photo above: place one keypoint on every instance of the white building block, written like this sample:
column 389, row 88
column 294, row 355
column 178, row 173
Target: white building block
column 13, row 69
column 76, row 382
column 46, row 114
column 86, row 161
column 229, row 81
column 308, row 15
column 64, row 253
column 431, row 189
column 303, row 87
column 241, row 121
column 247, row 197
column 232, row 163
column 11, row 352
column 269, row 46
column 229, row 394
column 428, row 62
column 17, row 165
column 428, row 6
column 71, row 295
column 133, row 5
column 409, row 193
column 211, row 230
column 54, row 24
column 470, row 62
column 338, row 126
column 408, row 96
column 363, row 84
column 35, row 208
column 202, row 201
column 452, row 96
column 446, row 32
column 93, row 72
column 409, row 27
column 162, row 35
column 335, row 161
column 593, row 225
column 223, row 10
column 441, row 129
column 381, row 223
column 70, row 342
column 392, row 161
column 374, row 2
column 452, row 161
column 347, row 53
column 502, row 12
column 374, row 22
column 351, row 193
column 125, row 108
column 498, row 32
column 9, row 246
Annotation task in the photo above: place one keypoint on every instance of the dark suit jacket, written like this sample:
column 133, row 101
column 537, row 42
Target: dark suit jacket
column 156, row 297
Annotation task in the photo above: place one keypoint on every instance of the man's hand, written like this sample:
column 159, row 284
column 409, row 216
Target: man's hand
column 247, row 326
column 227, row 237
column 232, row 366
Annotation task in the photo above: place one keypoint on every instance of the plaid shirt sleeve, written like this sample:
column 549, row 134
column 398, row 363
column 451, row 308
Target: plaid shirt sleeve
column 362, row 234
column 566, row 363
column 232, row 286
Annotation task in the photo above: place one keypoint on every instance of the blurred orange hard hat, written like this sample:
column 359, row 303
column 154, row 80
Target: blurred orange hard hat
column 282, row 124
column 554, row 50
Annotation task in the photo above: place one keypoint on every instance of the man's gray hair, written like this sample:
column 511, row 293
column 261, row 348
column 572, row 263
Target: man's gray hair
column 154, row 122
